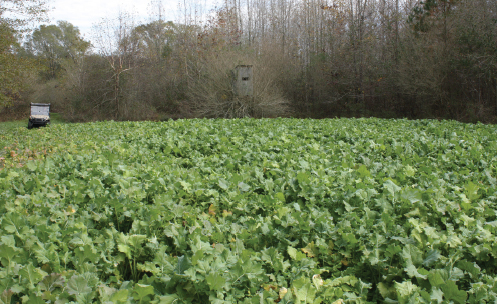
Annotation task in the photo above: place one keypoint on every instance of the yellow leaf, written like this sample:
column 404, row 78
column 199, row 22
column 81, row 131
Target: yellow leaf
column 212, row 210
column 70, row 209
column 310, row 250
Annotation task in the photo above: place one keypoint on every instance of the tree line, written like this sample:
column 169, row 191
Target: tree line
column 311, row 58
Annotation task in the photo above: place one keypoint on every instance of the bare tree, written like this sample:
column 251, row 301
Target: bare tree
column 115, row 42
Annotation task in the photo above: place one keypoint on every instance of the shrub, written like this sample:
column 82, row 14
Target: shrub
column 211, row 90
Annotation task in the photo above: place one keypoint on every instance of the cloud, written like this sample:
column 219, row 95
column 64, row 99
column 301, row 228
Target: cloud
column 84, row 14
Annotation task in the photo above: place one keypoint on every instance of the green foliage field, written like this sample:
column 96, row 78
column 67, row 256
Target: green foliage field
column 15, row 126
column 249, row 211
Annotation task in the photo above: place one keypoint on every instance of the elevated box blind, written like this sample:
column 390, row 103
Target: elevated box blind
column 243, row 81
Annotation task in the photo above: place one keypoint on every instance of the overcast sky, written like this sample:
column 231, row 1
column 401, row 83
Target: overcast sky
column 85, row 13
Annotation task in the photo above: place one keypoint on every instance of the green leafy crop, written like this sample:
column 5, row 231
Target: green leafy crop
column 249, row 211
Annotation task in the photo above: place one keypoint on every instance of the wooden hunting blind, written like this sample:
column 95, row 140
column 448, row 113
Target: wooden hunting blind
column 243, row 81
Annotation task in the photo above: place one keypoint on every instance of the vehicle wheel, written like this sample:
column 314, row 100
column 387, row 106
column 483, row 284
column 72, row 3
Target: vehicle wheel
column 30, row 124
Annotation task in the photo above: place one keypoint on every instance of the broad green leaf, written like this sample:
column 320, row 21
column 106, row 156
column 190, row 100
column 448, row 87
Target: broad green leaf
column 431, row 258
column 386, row 291
column 409, row 171
column 436, row 295
column 413, row 253
column 78, row 285
column 413, row 272
column 452, row 292
column 303, row 290
column 405, row 290
column 34, row 299
column 17, row 289
column 141, row 291
column 52, row 281
column 32, row 274
column 136, row 240
column 31, row 165
column 8, row 240
column 454, row 241
column 6, row 296
column 168, row 299
column 126, row 250
column 437, row 277
column 223, row 184
column 86, row 253
column 186, row 186
column 183, row 265
column 84, row 298
column 363, row 171
column 280, row 197
column 348, row 207
column 472, row 268
column 471, row 191
column 215, row 281
column 349, row 280
column 12, row 223
column 243, row 187
column 350, row 238
column 411, row 195
column 106, row 292
column 13, row 174
column 292, row 252
column 120, row 296
column 8, row 252
column 391, row 187
column 302, row 177
column 197, row 256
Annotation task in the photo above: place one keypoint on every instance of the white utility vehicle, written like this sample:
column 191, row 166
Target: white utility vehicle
column 40, row 115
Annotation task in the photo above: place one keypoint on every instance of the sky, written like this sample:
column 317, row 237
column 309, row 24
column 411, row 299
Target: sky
column 85, row 13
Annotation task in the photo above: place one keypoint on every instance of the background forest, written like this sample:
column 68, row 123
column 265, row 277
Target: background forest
column 311, row 58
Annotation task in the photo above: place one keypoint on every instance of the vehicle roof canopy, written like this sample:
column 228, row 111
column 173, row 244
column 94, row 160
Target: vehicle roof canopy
column 40, row 109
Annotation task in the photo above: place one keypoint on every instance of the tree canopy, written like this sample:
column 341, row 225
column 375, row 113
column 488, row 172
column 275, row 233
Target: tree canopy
column 15, row 16
column 56, row 44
